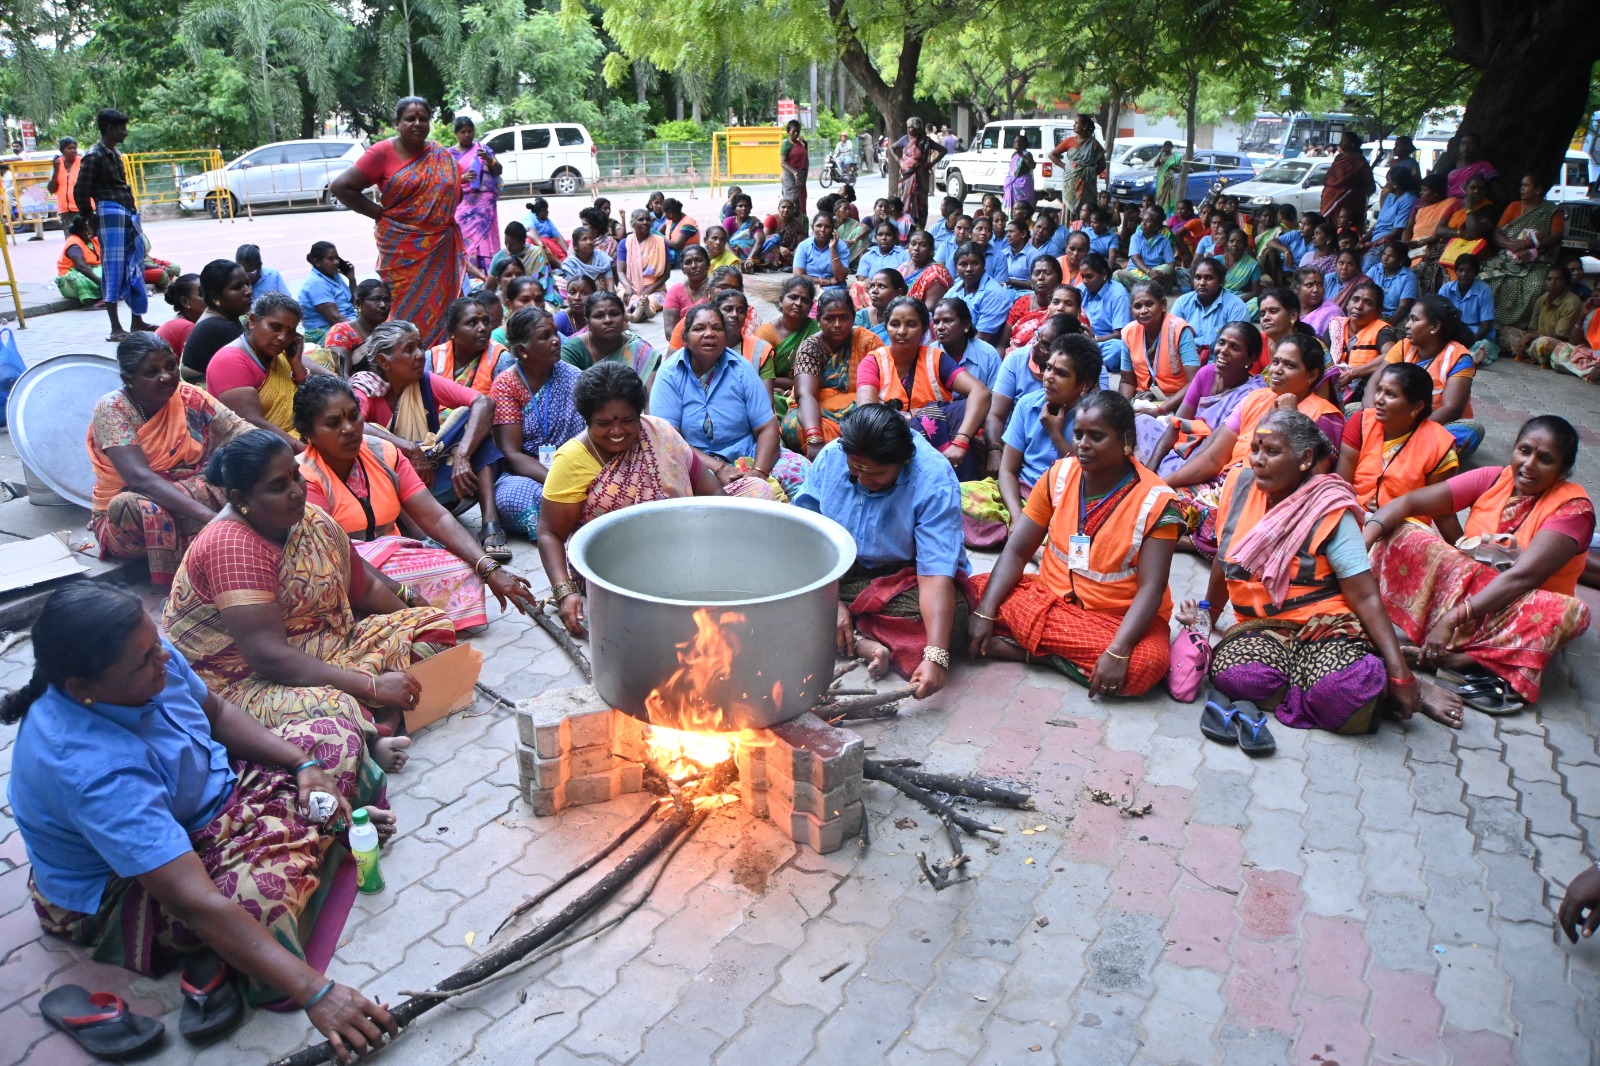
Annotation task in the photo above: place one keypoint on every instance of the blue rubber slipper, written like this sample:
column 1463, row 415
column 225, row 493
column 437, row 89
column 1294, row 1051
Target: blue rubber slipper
column 1251, row 730
column 1217, row 718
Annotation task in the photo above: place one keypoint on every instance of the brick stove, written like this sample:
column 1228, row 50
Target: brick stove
column 803, row 775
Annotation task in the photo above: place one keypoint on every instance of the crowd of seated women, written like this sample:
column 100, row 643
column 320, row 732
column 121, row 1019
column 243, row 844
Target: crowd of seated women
column 1283, row 408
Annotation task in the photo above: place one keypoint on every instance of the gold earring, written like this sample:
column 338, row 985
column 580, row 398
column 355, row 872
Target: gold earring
column 244, row 510
column 1305, row 466
column 88, row 702
column 1127, row 451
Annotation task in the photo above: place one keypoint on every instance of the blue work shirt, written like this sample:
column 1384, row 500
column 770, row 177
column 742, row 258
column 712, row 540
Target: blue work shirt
column 1016, row 379
column 1207, row 321
column 1109, row 308
column 873, row 261
column 989, row 305
column 981, row 360
column 1298, row 246
column 1394, row 215
column 815, row 262
column 1401, row 285
column 1019, row 264
column 1153, row 250
column 994, row 263
column 101, row 789
column 916, row 521
column 720, row 417
column 272, row 281
column 321, row 289
column 942, row 239
column 1107, row 244
column 1057, row 244
column 1476, row 305
column 1027, row 434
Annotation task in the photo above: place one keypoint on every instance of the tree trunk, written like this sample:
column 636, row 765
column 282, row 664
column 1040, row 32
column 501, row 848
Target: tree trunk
column 677, row 99
column 892, row 101
column 827, row 87
column 411, row 76
column 812, row 102
column 1533, row 60
column 1191, row 104
column 1113, row 120
column 844, row 103
column 266, row 87
column 641, row 82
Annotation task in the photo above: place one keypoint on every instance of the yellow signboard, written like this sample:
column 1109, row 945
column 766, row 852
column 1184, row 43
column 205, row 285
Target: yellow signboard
column 745, row 154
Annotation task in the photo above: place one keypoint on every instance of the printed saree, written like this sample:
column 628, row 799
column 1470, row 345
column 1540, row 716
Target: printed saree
column 419, row 243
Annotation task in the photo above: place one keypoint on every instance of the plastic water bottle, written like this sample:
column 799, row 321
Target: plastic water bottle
column 1203, row 623
column 364, row 846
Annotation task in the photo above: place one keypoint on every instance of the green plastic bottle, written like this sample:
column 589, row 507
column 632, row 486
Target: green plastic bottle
column 364, row 846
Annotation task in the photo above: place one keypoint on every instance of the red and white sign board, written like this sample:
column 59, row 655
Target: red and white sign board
column 787, row 109
column 30, row 136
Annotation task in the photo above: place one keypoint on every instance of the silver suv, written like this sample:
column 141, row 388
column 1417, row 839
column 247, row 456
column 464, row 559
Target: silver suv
column 292, row 173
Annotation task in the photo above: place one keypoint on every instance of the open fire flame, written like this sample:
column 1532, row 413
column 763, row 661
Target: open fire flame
column 687, row 734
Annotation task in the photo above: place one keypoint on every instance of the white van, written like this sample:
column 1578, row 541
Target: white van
column 1577, row 180
column 557, row 157
column 1134, row 153
column 983, row 168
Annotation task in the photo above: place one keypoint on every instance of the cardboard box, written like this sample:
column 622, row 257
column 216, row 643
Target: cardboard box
column 447, row 685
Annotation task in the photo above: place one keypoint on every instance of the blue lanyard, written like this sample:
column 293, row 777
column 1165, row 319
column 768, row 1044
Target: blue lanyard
column 1083, row 500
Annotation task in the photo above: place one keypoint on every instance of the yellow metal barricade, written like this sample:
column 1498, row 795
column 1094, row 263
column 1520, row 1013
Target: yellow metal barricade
column 158, row 177
column 28, row 200
column 745, row 154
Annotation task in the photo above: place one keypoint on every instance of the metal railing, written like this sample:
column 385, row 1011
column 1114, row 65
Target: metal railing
column 158, row 177
column 660, row 160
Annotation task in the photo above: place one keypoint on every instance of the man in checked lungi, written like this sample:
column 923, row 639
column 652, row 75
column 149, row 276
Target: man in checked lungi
column 103, row 191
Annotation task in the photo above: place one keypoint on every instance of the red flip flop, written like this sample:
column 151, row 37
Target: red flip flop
column 100, row 1022
column 211, row 1003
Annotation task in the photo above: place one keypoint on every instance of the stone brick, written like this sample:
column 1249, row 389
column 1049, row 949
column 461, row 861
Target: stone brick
column 1548, row 810
column 1187, row 1004
column 822, row 835
column 1121, row 957
column 1437, row 789
column 1386, row 802
column 1393, row 864
column 607, row 786
column 1405, row 1016
column 559, row 719
column 1104, row 1030
column 1221, row 798
column 1398, row 931
column 1261, row 983
column 1486, row 774
column 1518, row 890
column 777, row 1035
column 1530, row 757
column 823, row 755
column 1500, row 827
column 1473, row 990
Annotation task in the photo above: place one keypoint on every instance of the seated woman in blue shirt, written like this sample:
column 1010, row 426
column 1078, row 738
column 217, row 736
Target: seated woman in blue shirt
column 989, row 303
column 886, row 252
column 1473, row 299
column 1107, row 305
column 822, row 257
column 717, row 402
column 904, row 602
column 161, row 820
column 1402, row 190
column 1039, row 430
column 955, row 332
column 1150, row 255
column 263, row 279
column 1021, row 373
column 328, row 296
column 1398, row 283
column 883, row 287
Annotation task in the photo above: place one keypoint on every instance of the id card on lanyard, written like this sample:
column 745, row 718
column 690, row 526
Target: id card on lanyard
column 1078, row 552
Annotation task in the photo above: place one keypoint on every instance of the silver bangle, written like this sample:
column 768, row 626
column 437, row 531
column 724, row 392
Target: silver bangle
column 936, row 655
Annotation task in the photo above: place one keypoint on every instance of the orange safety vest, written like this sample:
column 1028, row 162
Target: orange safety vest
column 362, row 520
column 1112, row 578
column 755, row 351
column 1377, row 483
column 66, row 181
column 1359, row 350
column 444, row 363
column 1592, row 334
column 91, row 254
column 1439, row 368
column 1314, row 588
column 1258, row 405
column 1484, row 519
column 1168, row 371
column 925, row 385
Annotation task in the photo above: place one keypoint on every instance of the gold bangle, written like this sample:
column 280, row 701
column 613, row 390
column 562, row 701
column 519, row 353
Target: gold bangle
column 936, row 655
column 985, row 617
column 1121, row 658
column 562, row 589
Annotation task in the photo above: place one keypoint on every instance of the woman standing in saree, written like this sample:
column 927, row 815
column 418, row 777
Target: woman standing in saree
column 478, row 214
column 1081, row 159
column 265, row 608
column 1502, row 601
column 1168, row 163
column 1528, row 237
column 825, row 374
column 149, row 443
column 419, row 243
column 1019, row 175
column 623, row 457
column 915, row 154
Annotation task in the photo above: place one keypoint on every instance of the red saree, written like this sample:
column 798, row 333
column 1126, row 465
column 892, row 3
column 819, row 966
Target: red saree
column 419, row 244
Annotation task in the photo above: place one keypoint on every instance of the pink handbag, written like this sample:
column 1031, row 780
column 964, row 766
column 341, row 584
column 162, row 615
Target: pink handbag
column 1191, row 662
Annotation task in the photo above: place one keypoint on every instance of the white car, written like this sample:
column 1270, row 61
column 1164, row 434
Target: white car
column 1134, row 153
column 983, row 167
column 291, row 173
column 1295, row 181
column 556, row 157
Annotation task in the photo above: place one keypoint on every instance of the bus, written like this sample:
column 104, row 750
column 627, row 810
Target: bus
column 1286, row 136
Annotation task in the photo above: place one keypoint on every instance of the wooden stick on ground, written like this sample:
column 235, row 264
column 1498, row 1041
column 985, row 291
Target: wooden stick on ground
column 512, row 951
column 577, row 871
column 972, row 788
column 558, row 633
column 877, row 772
column 852, row 706
column 845, row 667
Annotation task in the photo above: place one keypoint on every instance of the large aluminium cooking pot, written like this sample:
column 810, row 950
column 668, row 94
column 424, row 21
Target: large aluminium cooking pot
column 764, row 574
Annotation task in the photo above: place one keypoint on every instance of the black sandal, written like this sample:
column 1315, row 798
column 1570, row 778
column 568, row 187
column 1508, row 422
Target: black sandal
column 100, row 1022
column 500, row 553
column 212, row 1004
column 1250, row 729
column 1218, row 719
